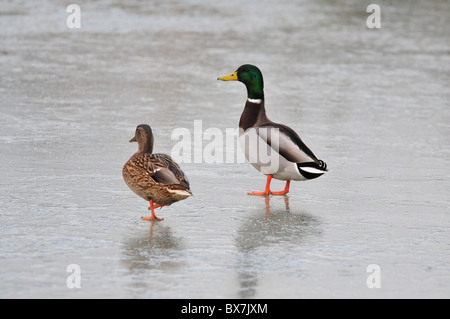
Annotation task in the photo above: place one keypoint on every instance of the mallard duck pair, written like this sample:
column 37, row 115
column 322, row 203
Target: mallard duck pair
column 274, row 149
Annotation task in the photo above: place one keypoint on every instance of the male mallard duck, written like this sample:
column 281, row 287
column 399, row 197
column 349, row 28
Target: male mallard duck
column 154, row 177
column 274, row 149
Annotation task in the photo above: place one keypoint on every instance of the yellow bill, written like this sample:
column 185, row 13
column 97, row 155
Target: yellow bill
column 231, row 77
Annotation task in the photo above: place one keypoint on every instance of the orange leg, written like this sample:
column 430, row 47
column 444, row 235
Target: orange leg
column 285, row 191
column 267, row 190
column 156, row 206
column 152, row 208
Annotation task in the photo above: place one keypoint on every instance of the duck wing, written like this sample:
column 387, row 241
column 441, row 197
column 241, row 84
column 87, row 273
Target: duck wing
column 167, row 172
column 286, row 142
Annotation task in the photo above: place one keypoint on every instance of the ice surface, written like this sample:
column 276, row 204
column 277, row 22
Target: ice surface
column 372, row 103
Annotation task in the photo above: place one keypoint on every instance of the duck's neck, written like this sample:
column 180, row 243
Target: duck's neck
column 254, row 114
column 255, row 89
column 146, row 147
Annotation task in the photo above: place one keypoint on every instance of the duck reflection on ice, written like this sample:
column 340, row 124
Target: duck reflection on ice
column 153, row 249
column 261, row 240
column 267, row 202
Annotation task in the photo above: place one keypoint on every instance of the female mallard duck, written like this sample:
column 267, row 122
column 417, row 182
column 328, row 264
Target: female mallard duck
column 154, row 177
column 274, row 149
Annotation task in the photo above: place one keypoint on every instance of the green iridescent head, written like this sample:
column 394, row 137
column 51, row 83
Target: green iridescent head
column 252, row 77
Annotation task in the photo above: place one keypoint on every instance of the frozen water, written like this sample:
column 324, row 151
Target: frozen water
column 373, row 103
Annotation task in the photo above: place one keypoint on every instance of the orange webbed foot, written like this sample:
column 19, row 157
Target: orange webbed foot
column 260, row 193
column 151, row 218
column 153, row 215
column 268, row 192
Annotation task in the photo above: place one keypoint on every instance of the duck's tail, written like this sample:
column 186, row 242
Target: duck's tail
column 323, row 166
column 311, row 170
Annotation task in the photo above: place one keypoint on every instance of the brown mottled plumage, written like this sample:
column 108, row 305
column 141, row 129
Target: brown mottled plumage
column 154, row 177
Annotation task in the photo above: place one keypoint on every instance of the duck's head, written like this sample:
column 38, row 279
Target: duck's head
column 144, row 137
column 252, row 77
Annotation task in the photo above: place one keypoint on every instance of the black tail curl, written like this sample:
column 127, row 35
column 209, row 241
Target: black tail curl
column 323, row 165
